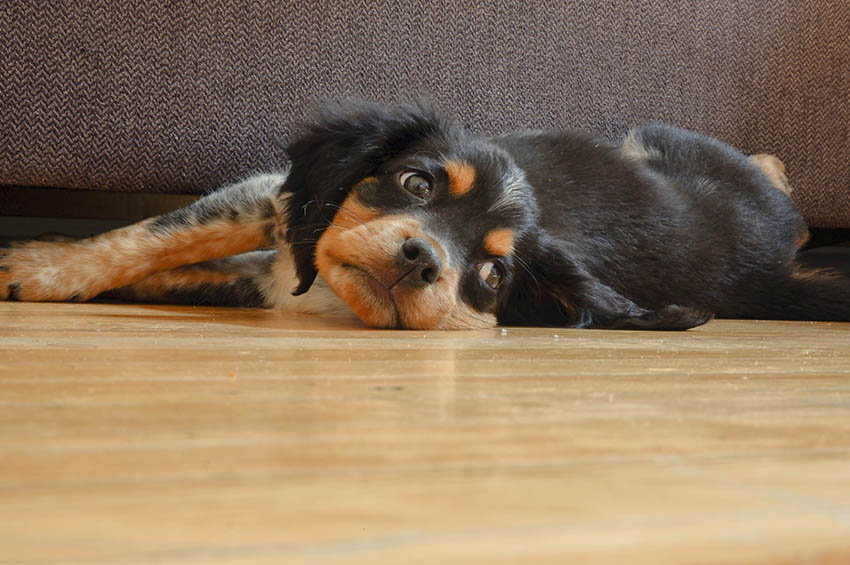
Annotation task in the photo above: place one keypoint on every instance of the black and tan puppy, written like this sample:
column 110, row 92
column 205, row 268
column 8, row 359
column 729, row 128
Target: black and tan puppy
column 414, row 223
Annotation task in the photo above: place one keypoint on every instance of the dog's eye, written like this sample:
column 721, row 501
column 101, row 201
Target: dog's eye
column 491, row 274
column 415, row 183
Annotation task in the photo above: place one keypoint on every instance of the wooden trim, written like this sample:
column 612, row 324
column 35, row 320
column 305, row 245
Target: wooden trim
column 89, row 204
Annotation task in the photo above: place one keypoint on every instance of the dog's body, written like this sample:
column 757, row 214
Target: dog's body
column 412, row 222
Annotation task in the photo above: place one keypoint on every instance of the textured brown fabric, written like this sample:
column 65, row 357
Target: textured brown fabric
column 165, row 96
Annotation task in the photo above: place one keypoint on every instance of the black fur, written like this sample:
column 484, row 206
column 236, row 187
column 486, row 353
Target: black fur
column 227, row 204
column 693, row 230
column 241, row 292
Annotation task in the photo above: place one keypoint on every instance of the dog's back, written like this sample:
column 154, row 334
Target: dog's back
column 672, row 216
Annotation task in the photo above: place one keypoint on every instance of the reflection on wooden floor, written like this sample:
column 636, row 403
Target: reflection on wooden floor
column 143, row 434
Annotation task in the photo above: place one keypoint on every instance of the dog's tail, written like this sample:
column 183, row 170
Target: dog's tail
column 806, row 294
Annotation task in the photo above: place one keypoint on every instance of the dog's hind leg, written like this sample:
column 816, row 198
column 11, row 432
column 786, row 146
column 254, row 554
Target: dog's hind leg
column 238, row 218
column 774, row 169
column 600, row 306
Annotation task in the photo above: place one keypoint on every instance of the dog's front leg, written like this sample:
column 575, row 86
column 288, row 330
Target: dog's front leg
column 241, row 280
column 603, row 307
column 232, row 220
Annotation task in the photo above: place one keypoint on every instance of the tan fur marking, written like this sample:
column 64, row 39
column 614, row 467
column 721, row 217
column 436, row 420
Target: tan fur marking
column 774, row 169
column 85, row 268
column 499, row 242
column 461, row 177
column 359, row 264
column 352, row 213
column 337, row 252
column 463, row 317
column 367, row 180
column 209, row 241
column 634, row 149
column 158, row 285
column 803, row 239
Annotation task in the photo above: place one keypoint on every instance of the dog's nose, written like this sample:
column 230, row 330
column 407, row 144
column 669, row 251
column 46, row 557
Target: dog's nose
column 421, row 262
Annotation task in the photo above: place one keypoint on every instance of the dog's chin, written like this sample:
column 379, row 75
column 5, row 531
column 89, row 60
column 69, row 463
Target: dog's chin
column 400, row 306
column 367, row 296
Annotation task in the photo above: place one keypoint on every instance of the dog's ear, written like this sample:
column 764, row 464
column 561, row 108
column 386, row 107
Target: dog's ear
column 547, row 292
column 555, row 291
column 348, row 143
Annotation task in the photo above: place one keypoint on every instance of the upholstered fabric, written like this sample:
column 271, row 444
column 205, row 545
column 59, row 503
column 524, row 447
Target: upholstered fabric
column 164, row 96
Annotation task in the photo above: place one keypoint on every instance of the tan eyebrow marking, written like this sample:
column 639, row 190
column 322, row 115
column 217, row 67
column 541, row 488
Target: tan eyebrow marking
column 351, row 213
column 499, row 242
column 367, row 180
column 461, row 177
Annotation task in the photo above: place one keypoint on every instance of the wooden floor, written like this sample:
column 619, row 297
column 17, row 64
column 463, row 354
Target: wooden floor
column 143, row 434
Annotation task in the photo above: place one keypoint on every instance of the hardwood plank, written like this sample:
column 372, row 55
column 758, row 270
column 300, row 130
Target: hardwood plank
column 139, row 434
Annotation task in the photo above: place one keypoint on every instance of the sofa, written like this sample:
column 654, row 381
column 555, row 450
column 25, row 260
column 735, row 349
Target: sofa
column 180, row 97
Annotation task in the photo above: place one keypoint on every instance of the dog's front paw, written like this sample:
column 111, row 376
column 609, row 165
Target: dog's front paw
column 669, row 318
column 675, row 317
column 35, row 271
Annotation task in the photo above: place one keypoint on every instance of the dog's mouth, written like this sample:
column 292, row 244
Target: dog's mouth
column 361, row 265
column 383, row 299
column 372, row 286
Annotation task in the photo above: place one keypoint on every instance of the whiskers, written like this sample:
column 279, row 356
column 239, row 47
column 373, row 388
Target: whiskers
column 527, row 268
column 319, row 227
column 350, row 213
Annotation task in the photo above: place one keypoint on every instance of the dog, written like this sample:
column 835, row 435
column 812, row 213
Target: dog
column 402, row 217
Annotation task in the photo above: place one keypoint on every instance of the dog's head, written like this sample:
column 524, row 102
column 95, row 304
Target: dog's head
column 412, row 221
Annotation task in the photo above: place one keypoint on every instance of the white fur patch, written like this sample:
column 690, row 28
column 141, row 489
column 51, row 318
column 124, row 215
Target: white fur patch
column 278, row 285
